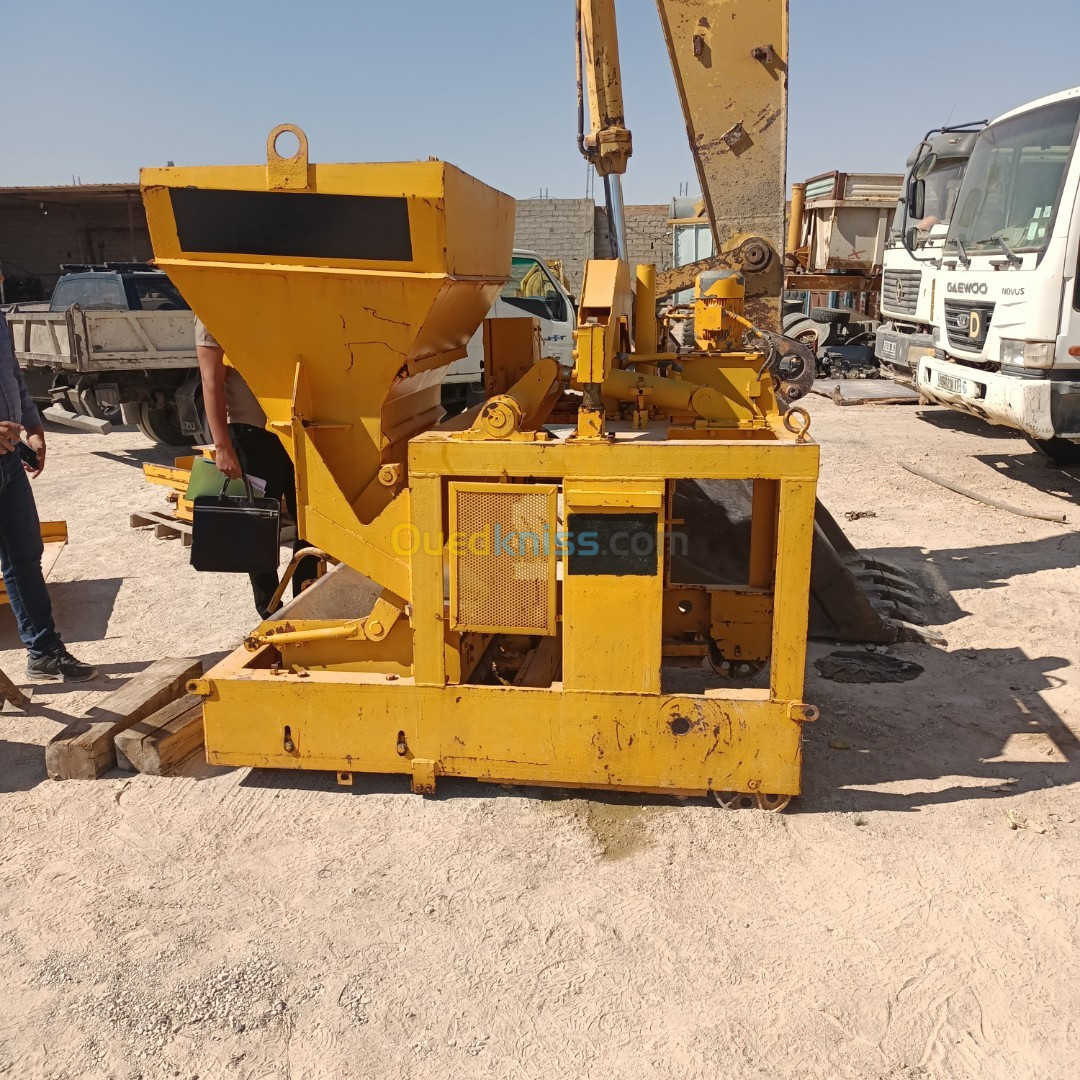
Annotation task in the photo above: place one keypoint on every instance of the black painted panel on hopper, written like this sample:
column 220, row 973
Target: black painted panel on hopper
column 294, row 224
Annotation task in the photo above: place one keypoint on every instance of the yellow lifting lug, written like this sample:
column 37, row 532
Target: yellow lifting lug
column 802, row 713
column 423, row 776
column 287, row 173
column 199, row 687
column 797, row 421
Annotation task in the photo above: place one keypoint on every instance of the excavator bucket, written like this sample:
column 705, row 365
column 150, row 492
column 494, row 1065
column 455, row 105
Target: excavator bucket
column 853, row 598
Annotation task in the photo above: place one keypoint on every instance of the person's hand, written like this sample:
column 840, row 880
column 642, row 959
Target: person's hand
column 225, row 459
column 35, row 439
column 9, row 435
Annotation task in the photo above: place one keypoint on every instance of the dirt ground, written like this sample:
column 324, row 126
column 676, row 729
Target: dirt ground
column 912, row 915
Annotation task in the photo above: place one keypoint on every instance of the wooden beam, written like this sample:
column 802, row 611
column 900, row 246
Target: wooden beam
column 84, row 750
column 10, row 692
column 158, row 744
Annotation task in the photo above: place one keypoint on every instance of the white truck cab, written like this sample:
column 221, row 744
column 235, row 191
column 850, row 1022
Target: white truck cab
column 1007, row 318
column 915, row 245
column 532, row 290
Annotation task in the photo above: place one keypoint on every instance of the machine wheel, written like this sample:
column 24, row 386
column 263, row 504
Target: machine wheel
column 747, row 800
column 1059, row 451
column 162, row 424
column 808, row 333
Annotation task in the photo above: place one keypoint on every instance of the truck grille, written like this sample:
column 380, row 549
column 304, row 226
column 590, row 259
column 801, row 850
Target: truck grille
column 967, row 323
column 900, row 291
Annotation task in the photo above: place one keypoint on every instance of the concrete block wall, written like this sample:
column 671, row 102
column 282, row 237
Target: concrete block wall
column 575, row 230
column 558, row 229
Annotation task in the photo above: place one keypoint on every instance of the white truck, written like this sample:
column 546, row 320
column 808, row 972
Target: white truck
column 1007, row 321
column 532, row 290
column 114, row 337
column 914, row 247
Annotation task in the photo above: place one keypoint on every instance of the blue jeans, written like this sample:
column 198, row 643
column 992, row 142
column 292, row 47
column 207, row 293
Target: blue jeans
column 20, row 559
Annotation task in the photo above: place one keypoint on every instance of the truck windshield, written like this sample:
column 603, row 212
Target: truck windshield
column 1013, row 181
column 157, row 293
column 942, row 187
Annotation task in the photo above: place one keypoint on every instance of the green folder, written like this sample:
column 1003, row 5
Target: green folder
column 208, row 479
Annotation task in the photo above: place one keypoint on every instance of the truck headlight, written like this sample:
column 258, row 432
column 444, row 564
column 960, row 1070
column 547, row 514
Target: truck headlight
column 1032, row 354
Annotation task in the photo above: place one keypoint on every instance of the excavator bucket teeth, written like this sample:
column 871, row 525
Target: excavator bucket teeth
column 852, row 598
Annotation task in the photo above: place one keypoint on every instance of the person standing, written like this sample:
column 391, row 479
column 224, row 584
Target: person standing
column 242, row 444
column 21, row 546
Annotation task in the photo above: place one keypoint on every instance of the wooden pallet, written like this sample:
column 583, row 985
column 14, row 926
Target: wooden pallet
column 165, row 526
column 175, row 479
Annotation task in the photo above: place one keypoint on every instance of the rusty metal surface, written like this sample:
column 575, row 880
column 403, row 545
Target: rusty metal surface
column 729, row 58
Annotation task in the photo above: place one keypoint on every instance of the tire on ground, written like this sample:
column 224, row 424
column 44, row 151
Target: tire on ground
column 1060, row 451
column 161, row 423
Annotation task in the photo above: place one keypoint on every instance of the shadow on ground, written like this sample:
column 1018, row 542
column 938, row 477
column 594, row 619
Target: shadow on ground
column 973, row 726
column 154, row 455
column 947, row 419
column 22, row 766
column 1037, row 472
column 81, row 609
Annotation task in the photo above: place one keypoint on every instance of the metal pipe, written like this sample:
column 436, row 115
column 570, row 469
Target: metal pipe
column 645, row 309
column 795, row 222
column 617, row 213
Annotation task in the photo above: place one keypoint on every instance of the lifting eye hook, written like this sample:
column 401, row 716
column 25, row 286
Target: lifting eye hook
column 797, row 421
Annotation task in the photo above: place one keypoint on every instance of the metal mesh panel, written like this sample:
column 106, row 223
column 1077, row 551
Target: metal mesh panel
column 502, row 575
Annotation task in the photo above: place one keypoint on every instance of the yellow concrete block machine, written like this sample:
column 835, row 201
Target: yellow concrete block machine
column 538, row 595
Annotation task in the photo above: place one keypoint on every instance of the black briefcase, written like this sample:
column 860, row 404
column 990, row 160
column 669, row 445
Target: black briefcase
column 236, row 534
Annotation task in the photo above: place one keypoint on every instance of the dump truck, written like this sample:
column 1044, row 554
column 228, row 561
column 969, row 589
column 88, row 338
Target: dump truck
column 1007, row 320
column 115, row 339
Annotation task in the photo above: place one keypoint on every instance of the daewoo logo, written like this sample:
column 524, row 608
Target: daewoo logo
column 967, row 287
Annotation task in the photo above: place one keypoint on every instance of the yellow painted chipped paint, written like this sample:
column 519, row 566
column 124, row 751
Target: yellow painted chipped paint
column 730, row 63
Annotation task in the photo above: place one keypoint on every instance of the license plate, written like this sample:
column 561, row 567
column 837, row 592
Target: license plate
column 888, row 349
column 950, row 383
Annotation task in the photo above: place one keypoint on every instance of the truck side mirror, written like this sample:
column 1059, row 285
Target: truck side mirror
column 917, row 200
column 911, row 238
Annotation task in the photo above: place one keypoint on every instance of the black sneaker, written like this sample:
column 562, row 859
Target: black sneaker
column 61, row 667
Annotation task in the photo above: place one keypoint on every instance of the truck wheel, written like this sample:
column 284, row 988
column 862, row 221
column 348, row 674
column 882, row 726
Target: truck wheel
column 1059, row 451
column 162, row 424
column 809, row 333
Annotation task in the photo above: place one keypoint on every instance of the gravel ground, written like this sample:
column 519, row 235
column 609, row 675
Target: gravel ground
column 913, row 914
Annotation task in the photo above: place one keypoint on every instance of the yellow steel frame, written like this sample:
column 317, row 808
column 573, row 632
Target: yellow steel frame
column 305, row 715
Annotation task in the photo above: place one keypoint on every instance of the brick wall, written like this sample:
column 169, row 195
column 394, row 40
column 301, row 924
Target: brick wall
column 34, row 243
column 575, row 230
column 557, row 229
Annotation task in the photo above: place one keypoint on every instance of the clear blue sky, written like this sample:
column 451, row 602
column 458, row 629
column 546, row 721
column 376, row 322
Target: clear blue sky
column 98, row 89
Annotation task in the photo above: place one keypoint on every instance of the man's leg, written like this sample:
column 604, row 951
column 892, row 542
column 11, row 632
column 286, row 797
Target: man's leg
column 20, row 555
column 284, row 480
column 20, row 559
column 250, row 443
